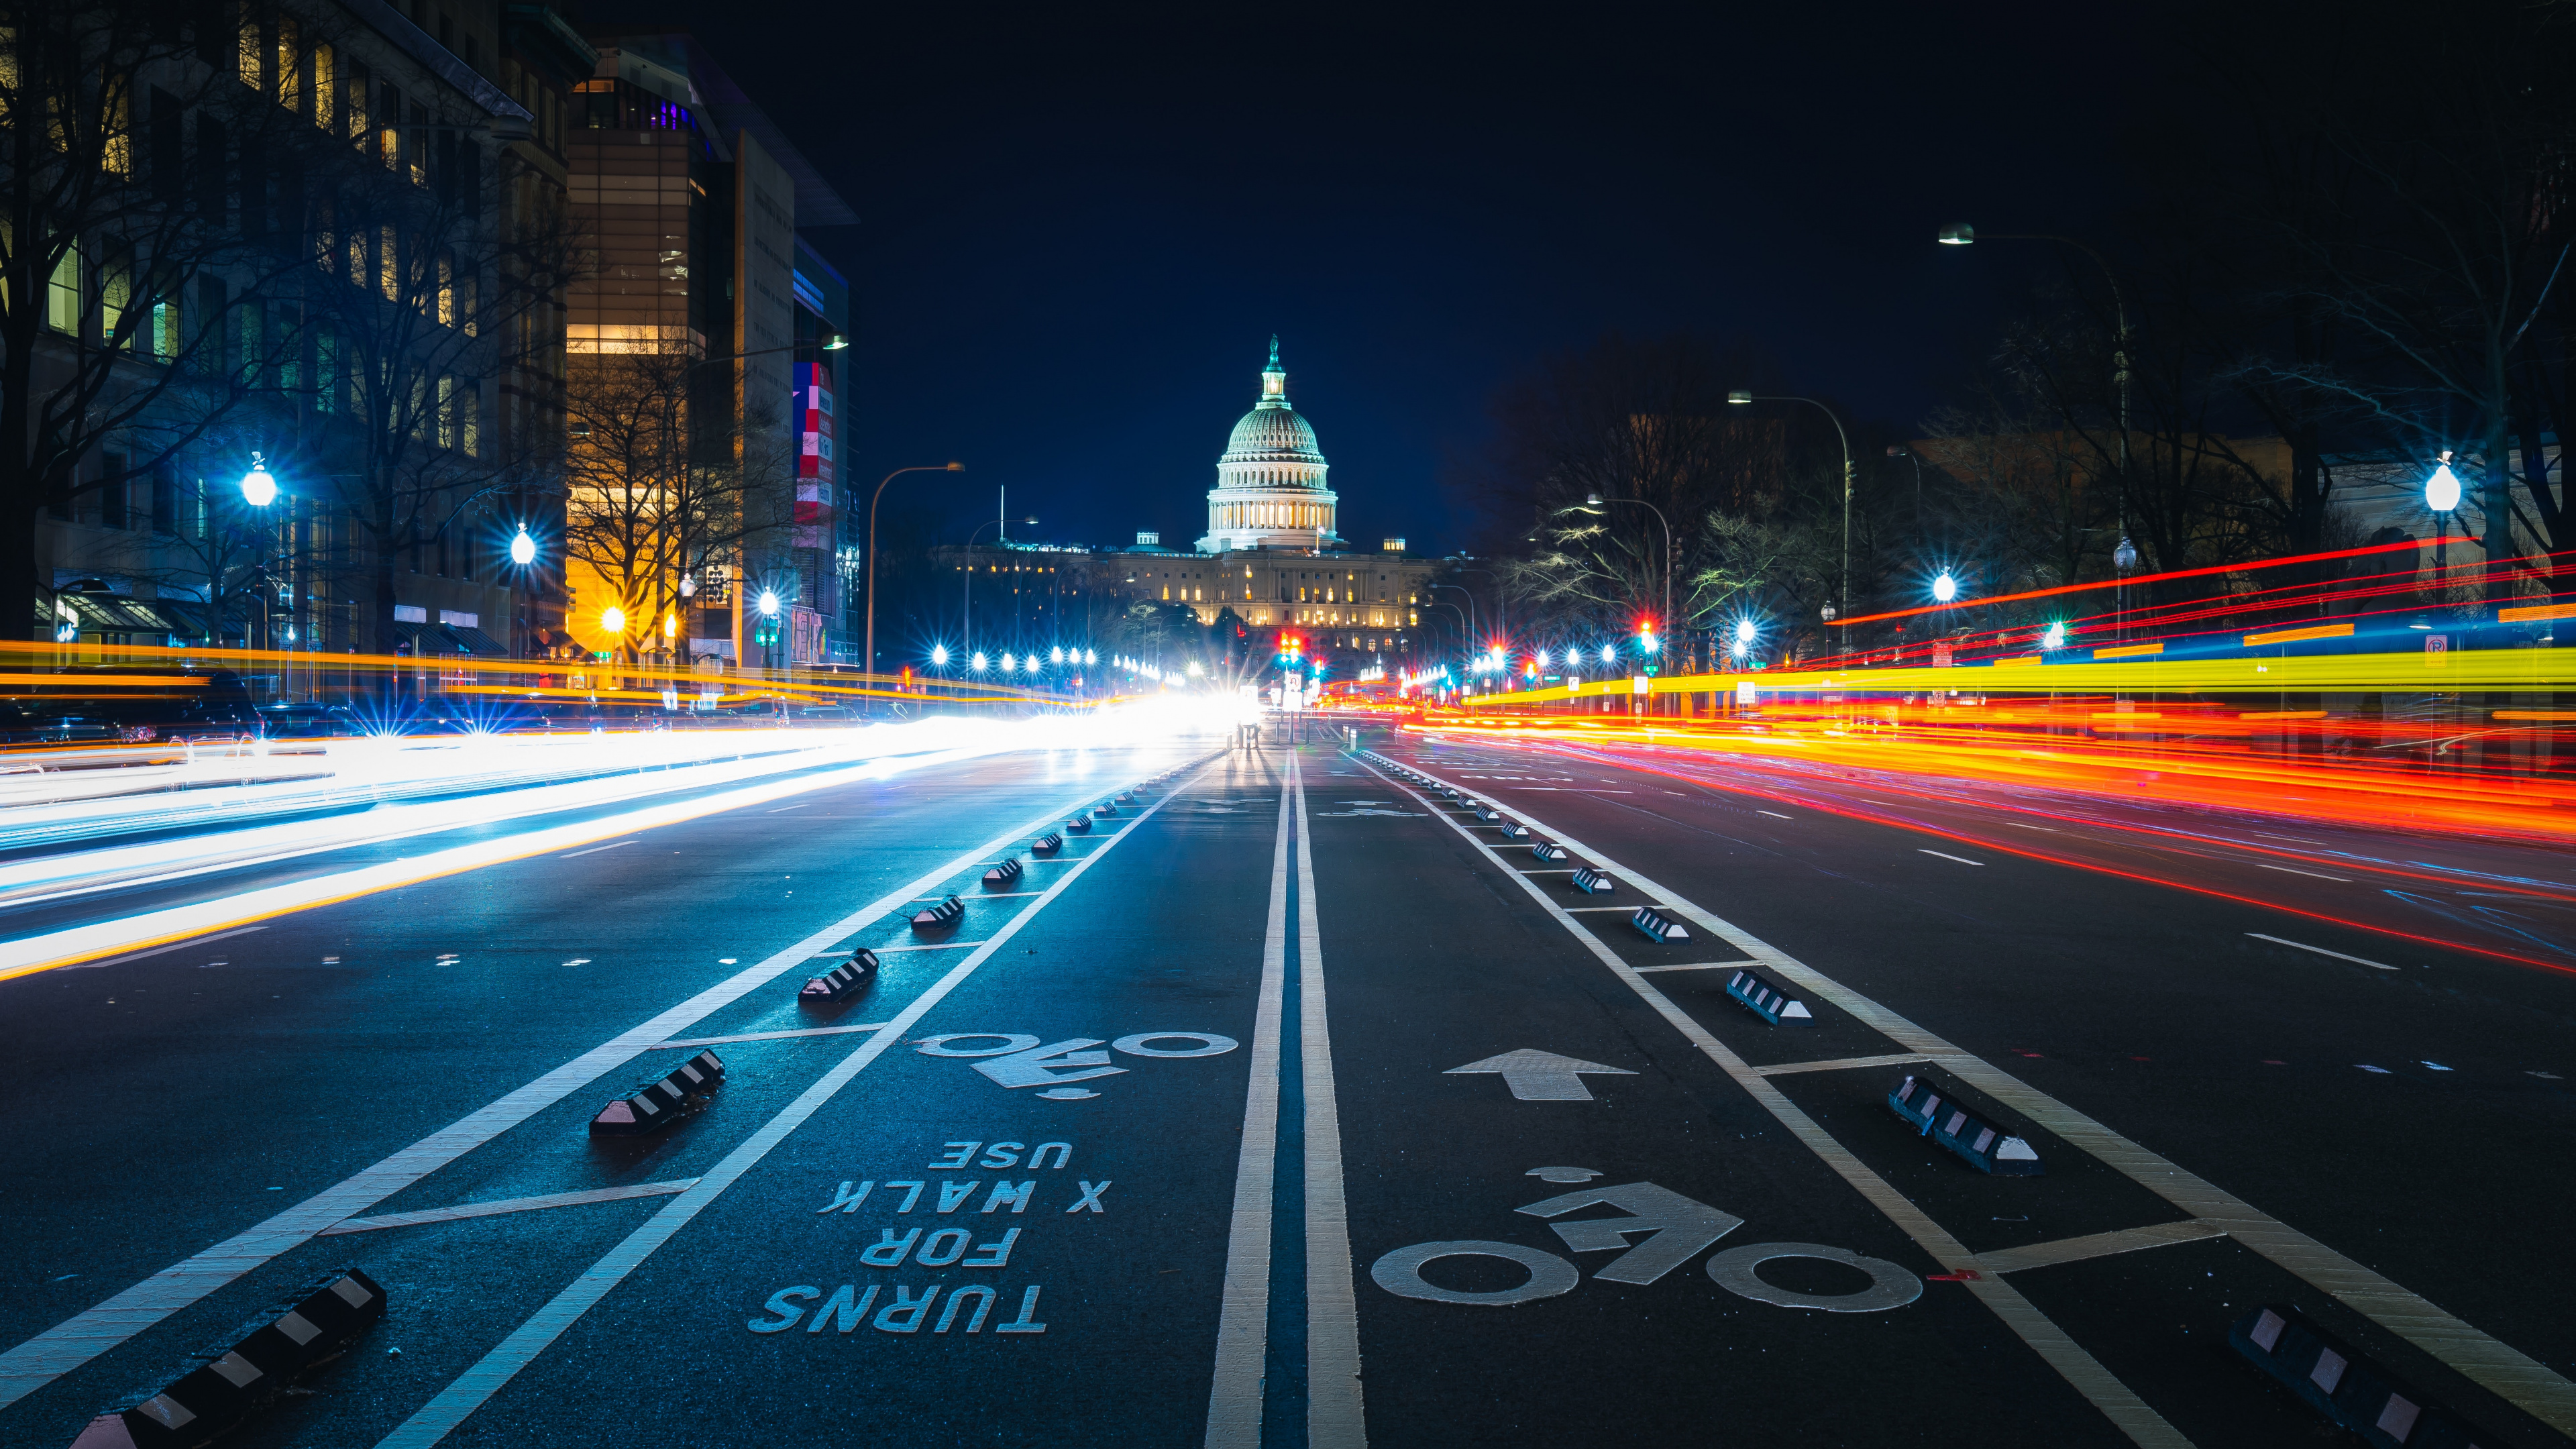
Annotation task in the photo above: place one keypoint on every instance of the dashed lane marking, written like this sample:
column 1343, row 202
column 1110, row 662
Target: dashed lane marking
column 1774, row 814
column 2098, row 1245
column 1961, row 859
column 1702, row 966
column 2320, row 950
column 708, row 1041
column 596, row 849
column 1842, row 1064
column 2509, row 1372
column 2285, row 870
column 462, row 1211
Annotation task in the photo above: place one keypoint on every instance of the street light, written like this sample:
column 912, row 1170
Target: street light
column 523, row 549
column 938, row 656
column 868, row 661
column 1593, row 502
column 258, row 488
column 2442, row 494
column 1960, row 234
column 1945, row 588
column 1740, row 398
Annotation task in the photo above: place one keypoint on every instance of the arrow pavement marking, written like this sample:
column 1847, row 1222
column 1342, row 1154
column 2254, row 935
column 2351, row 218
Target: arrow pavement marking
column 1537, row 1076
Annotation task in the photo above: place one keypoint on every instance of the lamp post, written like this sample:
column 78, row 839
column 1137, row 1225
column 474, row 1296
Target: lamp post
column 868, row 661
column 1960, row 234
column 966, row 621
column 1593, row 503
column 1844, row 591
column 2442, row 494
column 1468, row 618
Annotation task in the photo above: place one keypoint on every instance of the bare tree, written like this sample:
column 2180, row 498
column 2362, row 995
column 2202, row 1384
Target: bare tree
column 153, row 162
column 662, row 480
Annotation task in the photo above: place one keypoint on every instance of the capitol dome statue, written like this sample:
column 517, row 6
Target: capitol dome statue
column 1270, row 490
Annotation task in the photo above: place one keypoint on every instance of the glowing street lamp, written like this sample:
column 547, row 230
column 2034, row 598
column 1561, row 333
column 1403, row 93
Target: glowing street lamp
column 523, row 551
column 979, row 663
column 938, row 656
column 2055, row 638
column 259, row 489
column 2442, row 494
column 1945, row 588
column 613, row 619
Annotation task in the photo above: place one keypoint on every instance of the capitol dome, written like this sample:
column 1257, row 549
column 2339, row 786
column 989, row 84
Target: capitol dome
column 1270, row 490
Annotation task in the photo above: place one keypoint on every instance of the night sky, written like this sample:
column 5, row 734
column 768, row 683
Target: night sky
column 1079, row 229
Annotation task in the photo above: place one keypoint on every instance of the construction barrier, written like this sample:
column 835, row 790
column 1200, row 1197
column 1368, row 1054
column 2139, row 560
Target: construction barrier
column 1006, row 873
column 249, row 1369
column 1594, row 882
column 1767, row 1001
column 1658, row 926
column 843, row 981
column 656, row 1105
column 939, row 917
column 2345, row 1386
column 1047, row 844
column 1986, row 1147
column 1547, row 850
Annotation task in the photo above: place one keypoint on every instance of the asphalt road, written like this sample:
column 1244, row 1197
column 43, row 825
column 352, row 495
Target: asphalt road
column 1167, row 1141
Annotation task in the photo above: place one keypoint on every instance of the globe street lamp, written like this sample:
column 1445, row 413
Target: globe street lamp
column 2442, row 494
column 868, row 662
column 523, row 549
column 1945, row 588
column 259, row 489
column 1740, row 398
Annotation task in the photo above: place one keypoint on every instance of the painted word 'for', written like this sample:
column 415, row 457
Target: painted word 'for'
column 946, row 1246
column 847, row 1308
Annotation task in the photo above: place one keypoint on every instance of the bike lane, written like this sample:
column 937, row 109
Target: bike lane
column 1575, row 1238
column 1008, row 1225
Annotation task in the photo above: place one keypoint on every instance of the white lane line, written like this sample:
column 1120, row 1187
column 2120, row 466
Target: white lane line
column 1840, row 1064
column 708, row 1041
column 1586, row 910
column 2322, row 951
column 462, row 1211
column 1335, row 1417
column 886, row 950
column 472, row 1388
column 2025, row 825
column 1243, row 1317
column 2512, row 1374
column 2097, row 1245
column 1002, row 895
column 783, row 809
column 75, row 1341
column 1961, row 859
column 1774, row 814
column 2085, row 1373
column 165, row 950
column 2285, row 870
column 596, row 849
column 1703, row 966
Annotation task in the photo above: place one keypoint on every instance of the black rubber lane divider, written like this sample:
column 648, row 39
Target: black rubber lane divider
column 1104, row 808
column 940, row 917
column 259, row 1361
column 1986, row 1147
column 1659, row 926
column 682, row 1092
column 1007, row 873
column 1079, row 825
column 1547, row 850
column 1047, row 844
column 2345, row 1386
column 1514, row 830
column 1768, row 1001
column 1487, row 812
column 1128, row 798
column 843, row 981
column 1593, row 882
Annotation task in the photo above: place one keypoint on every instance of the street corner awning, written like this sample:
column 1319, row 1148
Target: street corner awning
column 466, row 639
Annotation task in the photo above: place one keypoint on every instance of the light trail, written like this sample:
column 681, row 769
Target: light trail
column 877, row 753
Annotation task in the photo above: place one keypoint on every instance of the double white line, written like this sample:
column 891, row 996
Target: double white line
column 1334, row 1415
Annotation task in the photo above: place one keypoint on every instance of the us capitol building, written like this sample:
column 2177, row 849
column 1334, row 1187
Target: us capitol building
column 1271, row 554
